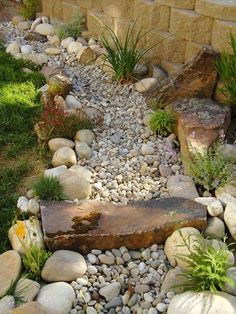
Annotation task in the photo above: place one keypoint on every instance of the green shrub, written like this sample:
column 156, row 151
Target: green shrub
column 34, row 260
column 48, row 188
column 226, row 67
column 206, row 267
column 123, row 56
column 71, row 29
column 29, row 9
column 162, row 123
column 210, row 169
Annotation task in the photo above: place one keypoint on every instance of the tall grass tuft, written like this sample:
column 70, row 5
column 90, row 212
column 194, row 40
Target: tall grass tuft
column 123, row 56
column 226, row 67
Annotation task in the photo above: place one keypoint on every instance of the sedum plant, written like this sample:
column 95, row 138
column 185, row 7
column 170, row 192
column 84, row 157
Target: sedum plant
column 29, row 9
column 48, row 188
column 206, row 266
column 210, row 169
column 226, row 67
column 162, row 122
column 72, row 28
column 123, row 56
column 34, row 260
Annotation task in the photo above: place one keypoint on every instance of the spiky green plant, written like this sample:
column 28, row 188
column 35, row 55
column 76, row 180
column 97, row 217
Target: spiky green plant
column 33, row 260
column 206, row 266
column 123, row 56
column 48, row 188
column 210, row 169
column 162, row 122
column 29, row 9
column 226, row 67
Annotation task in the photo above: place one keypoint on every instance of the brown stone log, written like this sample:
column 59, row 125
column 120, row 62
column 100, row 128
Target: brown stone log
column 197, row 78
column 136, row 225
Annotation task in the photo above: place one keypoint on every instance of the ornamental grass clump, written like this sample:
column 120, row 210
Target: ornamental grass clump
column 29, row 9
column 48, row 188
column 72, row 28
column 206, row 266
column 162, row 122
column 123, row 56
column 210, row 169
column 226, row 67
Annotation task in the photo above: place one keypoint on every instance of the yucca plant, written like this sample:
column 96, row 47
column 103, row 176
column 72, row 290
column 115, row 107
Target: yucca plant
column 206, row 266
column 226, row 67
column 123, row 56
column 162, row 122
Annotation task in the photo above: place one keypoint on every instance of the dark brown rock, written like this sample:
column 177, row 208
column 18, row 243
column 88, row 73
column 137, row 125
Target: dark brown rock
column 136, row 225
column 200, row 122
column 50, row 71
column 33, row 36
column 197, row 78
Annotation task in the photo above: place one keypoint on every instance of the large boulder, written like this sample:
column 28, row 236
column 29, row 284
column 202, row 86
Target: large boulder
column 176, row 248
column 86, row 55
column 64, row 156
column 202, row 303
column 76, row 187
column 13, row 48
column 45, row 29
column 10, row 269
column 197, row 78
column 64, row 265
column 86, row 136
column 200, row 122
column 56, row 298
column 182, row 186
column 56, row 143
column 25, row 233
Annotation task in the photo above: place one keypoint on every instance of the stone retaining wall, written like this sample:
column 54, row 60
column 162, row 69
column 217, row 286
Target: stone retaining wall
column 185, row 25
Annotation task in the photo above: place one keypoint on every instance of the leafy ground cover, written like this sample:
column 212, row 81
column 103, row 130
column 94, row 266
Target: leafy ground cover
column 19, row 108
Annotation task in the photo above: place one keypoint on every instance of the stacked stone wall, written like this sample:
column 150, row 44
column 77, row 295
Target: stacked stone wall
column 182, row 27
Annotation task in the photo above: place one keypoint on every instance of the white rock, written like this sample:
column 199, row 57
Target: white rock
column 174, row 281
column 74, row 47
column 76, row 187
column 7, row 304
column 55, row 172
column 23, row 26
column 10, row 269
column 36, row 23
column 215, row 228
column 13, row 48
column 33, row 207
column 57, row 298
column 54, row 41
column 225, row 198
column 66, row 42
column 45, row 19
column 82, row 172
column 82, row 41
column 146, row 85
column 56, row 143
column 72, row 102
column 52, row 51
column 110, row 291
column 230, row 218
column 64, row 156
column 83, row 151
column 147, row 149
column 27, row 289
column 44, row 29
column 182, row 186
column 17, row 19
column 25, row 233
column 231, row 273
column 214, row 206
column 202, row 302
column 26, row 49
column 92, row 42
column 22, row 204
column 64, row 265
column 86, row 136
column 38, row 58
column 175, row 248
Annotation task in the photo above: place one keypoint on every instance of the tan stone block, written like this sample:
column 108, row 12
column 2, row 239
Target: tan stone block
column 119, row 8
column 190, row 25
column 58, row 9
column 121, row 27
column 192, row 49
column 170, row 67
column 221, row 35
column 181, row 4
column 96, row 4
column 87, row 4
column 220, row 9
column 149, row 14
column 167, row 46
column 70, row 10
column 96, row 22
column 47, row 7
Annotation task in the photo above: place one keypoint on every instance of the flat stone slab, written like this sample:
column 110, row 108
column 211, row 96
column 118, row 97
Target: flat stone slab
column 93, row 224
